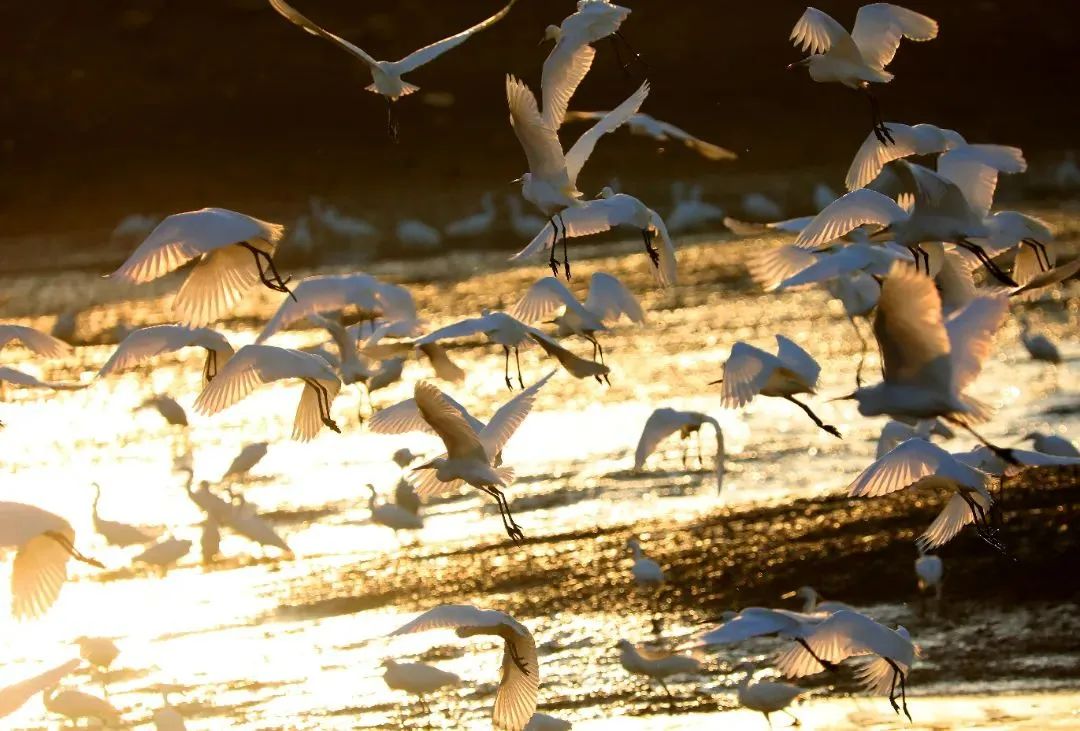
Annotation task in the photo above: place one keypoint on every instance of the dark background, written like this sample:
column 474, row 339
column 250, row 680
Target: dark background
column 155, row 106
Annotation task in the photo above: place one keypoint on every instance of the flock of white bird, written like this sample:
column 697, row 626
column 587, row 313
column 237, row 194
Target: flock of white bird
column 902, row 248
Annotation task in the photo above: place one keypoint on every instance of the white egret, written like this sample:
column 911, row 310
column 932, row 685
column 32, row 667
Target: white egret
column 100, row 652
column 551, row 183
column 76, row 705
column 1032, row 238
column 249, row 456
column 477, row 224
column 544, row 722
column 664, row 422
column 33, row 340
column 929, row 571
column 647, row 573
column 246, row 521
column 648, row 126
column 1038, row 345
column 149, row 342
column 572, row 364
column 608, row 211
column 766, row 696
column 761, row 622
column 392, row 516
column 917, row 463
column 523, row 224
column 859, row 58
column 167, row 718
column 255, row 365
column 164, row 554
column 418, row 679
column 339, row 224
column 656, row 664
column 690, row 211
column 886, row 655
column 906, row 141
column 750, row 371
column 1052, row 444
column 760, row 207
column 386, row 75
column 519, row 684
column 813, row 602
column 894, row 432
column 115, row 533
column 223, row 242
column 14, row 696
column 417, row 235
column 43, row 542
column 358, row 292
column 171, row 411
column 134, row 225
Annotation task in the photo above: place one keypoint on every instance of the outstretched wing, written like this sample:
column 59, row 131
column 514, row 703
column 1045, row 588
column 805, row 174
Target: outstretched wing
column 543, row 298
column 610, row 299
column 461, row 440
column 145, row 343
column 661, row 424
column 294, row 17
column 816, row 32
column 564, row 69
column 447, row 616
column 797, row 360
column 590, row 218
column 879, row 27
column 509, row 417
column 971, row 333
column 951, row 520
column 666, row 272
column 974, row 169
column 583, row 148
column 515, row 703
column 872, row 156
column 706, row 149
column 33, row 340
column 910, row 331
column 902, row 467
column 746, row 372
column 543, row 151
column 434, row 50
column 848, row 212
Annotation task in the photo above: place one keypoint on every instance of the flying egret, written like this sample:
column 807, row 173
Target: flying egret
column 171, row 411
column 1052, row 444
column 392, row 516
column 43, row 542
column 164, row 554
column 249, row 456
column 9, row 377
column 115, row 533
column 601, row 214
column 14, row 696
column 572, row 364
column 386, row 75
column 551, row 183
column 917, row 463
column 648, row 126
column 149, row 342
column 750, row 371
column 760, row 622
column 656, row 664
column 418, row 679
column 470, row 454
column 859, row 58
column 929, row 571
column 223, row 242
column 76, row 705
column 1031, row 237
column 33, row 340
column 608, row 301
column 812, row 601
column 255, row 365
column 357, row 293
column 477, row 224
column 885, row 655
column 664, row 422
column 519, row 684
column 544, row 722
column 907, row 140
column 766, row 696
column 1038, row 345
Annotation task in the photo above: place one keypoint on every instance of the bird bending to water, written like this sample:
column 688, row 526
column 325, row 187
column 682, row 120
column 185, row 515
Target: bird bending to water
column 76, row 705
column 386, row 75
column 859, row 58
column 766, row 696
column 664, row 422
column 164, row 554
column 224, row 243
column 149, row 342
column 519, row 685
column 392, row 516
column 655, row 664
column 249, row 456
column 1052, row 444
column 1038, row 346
column 418, row 679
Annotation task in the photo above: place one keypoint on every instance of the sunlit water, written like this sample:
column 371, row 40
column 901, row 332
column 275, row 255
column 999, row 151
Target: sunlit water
column 235, row 643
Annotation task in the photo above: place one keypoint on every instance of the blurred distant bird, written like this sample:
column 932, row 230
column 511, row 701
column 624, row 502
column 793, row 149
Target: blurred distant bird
column 9, row 377
column 648, row 126
column 224, row 243
column 750, row 371
column 167, row 718
column 812, row 601
column 647, row 573
column 858, row 59
column 245, row 520
column 392, row 516
column 133, row 225
column 169, row 409
column 242, row 463
column 1052, row 444
column 386, row 75
column 655, row 664
column 33, row 340
column 14, row 696
column 149, row 342
column 256, row 365
column 164, row 554
column 1038, row 346
column 43, row 542
column 544, row 722
column 766, row 696
column 760, row 207
column 689, row 211
column 415, row 234
column 523, row 224
column 822, row 196
column 418, row 679
column 76, row 705
column 115, row 533
column 65, row 325
column 338, row 223
column 930, row 570
column 519, row 684
column 100, row 652
column 664, row 422
column 478, row 224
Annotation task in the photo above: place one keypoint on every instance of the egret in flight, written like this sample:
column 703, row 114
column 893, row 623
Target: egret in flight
column 149, row 342
column 648, row 126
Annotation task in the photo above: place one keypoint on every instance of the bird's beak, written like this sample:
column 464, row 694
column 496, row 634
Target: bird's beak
column 798, row 64
column 515, row 180
column 844, row 398
column 713, row 383
column 425, row 466
column 787, row 595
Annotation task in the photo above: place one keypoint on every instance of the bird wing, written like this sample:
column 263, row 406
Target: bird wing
column 12, row 697
column 816, row 32
column 515, row 702
column 971, row 333
column 444, row 368
column 564, row 69
column 430, row 52
column 848, row 212
column 910, row 331
column 215, row 285
column 34, row 340
column 879, row 27
column 951, row 520
column 315, row 295
column 706, row 149
column 592, row 217
column 901, row 467
column 575, row 366
column 543, row 151
column 37, row 575
column 974, row 169
column 872, row 156
column 797, row 360
column 666, row 272
column 235, row 381
column 833, row 640
column 401, row 418
column 746, row 372
column 461, row 329
column 583, row 148
column 772, row 267
column 661, row 424
column 145, row 343
column 294, row 17
column 610, row 299
column 450, row 616
column 874, row 673
column 506, row 420
column 755, row 622
column 18, row 378
column 309, row 416
column 543, row 298
column 461, row 440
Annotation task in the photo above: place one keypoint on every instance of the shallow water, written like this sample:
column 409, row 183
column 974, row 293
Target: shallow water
column 258, row 643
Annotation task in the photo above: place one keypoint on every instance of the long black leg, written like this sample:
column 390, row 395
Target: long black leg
column 552, row 261
column 824, row 663
column 654, row 255
column 980, row 253
column 391, row 121
column 1041, row 254
column 862, row 351
column 898, row 674
column 618, row 56
column 1002, row 452
column 634, row 55
column 324, row 404
column 565, row 255
column 506, row 368
column 68, row 546
column 517, row 362
column 827, row 427
column 268, row 274
column 882, row 132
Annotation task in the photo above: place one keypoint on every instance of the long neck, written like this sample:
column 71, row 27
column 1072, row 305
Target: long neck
column 636, row 549
column 97, row 497
column 810, row 601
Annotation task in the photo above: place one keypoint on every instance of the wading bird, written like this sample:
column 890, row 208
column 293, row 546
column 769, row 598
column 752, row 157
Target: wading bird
column 930, row 571
column 116, row 533
column 249, row 456
column 859, row 58
column 664, row 422
column 766, row 696
column 544, row 722
column 1052, row 444
column 171, row 411
column 164, row 554
column 149, row 342
column 14, row 696
column 519, row 685
column 813, row 601
column 1038, row 346
column 386, row 75
column 655, row 664
column 224, row 243
column 392, row 516
column 478, row 224
column 418, row 679
column 76, row 705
